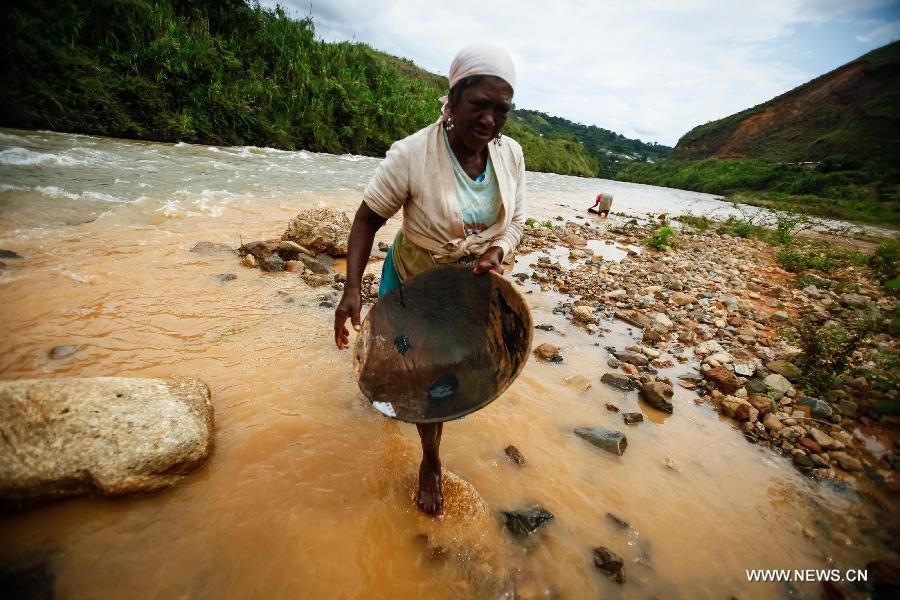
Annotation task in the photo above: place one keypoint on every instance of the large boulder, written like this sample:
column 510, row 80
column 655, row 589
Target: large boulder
column 113, row 435
column 325, row 230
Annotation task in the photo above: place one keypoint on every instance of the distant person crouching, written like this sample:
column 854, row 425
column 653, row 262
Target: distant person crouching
column 602, row 204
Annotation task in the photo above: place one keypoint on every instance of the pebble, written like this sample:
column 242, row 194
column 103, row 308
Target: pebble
column 58, row 352
column 610, row 563
column 620, row 382
column 632, row 418
column 610, row 440
column 513, row 453
column 525, row 521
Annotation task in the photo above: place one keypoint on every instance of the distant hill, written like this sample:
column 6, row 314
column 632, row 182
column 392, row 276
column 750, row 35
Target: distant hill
column 830, row 147
column 609, row 149
column 852, row 111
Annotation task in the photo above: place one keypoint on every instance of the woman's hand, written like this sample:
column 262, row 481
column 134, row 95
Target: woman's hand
column 490, row 261
column 347, row 308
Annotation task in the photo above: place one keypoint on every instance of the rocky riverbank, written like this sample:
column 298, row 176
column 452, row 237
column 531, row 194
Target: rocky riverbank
column 722, row 305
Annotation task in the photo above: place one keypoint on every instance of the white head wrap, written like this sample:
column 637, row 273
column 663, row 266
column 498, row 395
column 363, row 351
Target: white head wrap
column 479, row 59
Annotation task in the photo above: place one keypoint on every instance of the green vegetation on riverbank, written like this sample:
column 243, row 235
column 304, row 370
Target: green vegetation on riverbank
column 233, row 73
column 837, row 188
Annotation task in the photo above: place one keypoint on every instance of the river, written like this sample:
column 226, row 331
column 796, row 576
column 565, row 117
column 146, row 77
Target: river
column 307, row 493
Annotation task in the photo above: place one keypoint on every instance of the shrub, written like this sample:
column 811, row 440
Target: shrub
column 743, row 228
column 827, row 349
column 885, row 265
column 662, row 237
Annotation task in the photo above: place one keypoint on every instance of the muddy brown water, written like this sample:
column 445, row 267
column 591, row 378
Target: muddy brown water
column 308, row 492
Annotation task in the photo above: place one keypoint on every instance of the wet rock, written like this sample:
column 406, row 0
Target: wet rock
column 523, row 522
column 115, row 435
column 638, row 360
column 847, row 462
column 673, row 464
column 658, row 395
column 212, row 248
column 249, row 261
column 739, row 409
column 583, row 314
column 784, row 368
column 294, row 266
column 544, row 327
column 226, row 277
column 802, row 460
column 9, row 254
column 289, row 250
column 613, row 363
column 632, row 418
column 58, row 352
column 620, row 382
column 724, row 380
column 610, row 563
column 258, row 250
column 610, row 440
column 324, row 230
column 818, row 408
column 313, row 264
column 272, row 263
column 547, row 351
column 579, row 383
column 513, row 453
column 612, row 407
column 315, row 279
column 622, row 523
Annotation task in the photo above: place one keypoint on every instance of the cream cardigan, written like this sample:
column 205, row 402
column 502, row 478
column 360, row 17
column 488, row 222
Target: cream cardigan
column 417, row 175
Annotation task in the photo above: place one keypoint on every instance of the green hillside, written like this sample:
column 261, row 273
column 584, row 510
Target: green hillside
column 233, row 73
column 829, row 147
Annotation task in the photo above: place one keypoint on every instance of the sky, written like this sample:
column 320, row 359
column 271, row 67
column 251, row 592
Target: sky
column 648, row 69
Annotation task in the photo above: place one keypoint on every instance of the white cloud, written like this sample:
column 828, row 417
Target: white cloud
column 642, row 68
column 882, row 34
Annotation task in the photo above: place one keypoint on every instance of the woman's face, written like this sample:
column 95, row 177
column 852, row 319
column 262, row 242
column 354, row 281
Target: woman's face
column 480, row 113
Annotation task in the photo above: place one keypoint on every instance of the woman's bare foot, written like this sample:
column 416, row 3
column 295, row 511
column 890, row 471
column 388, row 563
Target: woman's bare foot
column 429, row 498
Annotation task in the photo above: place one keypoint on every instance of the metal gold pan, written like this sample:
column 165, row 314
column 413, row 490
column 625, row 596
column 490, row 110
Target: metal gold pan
column 447, row 343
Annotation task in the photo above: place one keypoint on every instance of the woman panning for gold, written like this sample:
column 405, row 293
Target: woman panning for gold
column 461, row 186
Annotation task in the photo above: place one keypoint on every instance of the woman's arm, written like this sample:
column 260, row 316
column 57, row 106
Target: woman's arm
column 362, row 234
